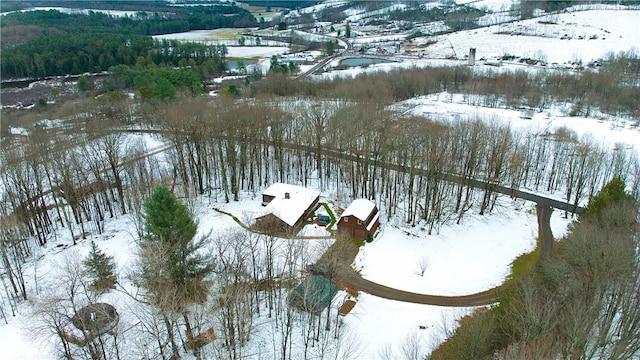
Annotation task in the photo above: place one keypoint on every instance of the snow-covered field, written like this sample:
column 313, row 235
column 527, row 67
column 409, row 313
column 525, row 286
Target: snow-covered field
column 461, row 259
column 576, row 36
column 607, row 130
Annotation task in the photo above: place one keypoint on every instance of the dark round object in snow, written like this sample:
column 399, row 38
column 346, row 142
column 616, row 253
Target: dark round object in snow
column 96, row 318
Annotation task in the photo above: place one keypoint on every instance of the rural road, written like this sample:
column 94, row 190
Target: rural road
column 342, row 253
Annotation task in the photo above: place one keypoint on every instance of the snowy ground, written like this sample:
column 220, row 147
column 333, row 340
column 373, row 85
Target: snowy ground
column 471, row 257
column 463, row 259
column 576, row 36
column 607, row 130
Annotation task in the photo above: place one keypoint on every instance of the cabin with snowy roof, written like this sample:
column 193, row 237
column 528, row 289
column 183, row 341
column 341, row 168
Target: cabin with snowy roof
column 285, row 208
column 360, row 220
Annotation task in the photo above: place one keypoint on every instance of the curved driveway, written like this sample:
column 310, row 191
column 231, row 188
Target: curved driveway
column 338, row 258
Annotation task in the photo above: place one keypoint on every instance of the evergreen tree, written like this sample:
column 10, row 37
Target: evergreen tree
column 173, row 269
column 85, row 84
column 612, row 193
column 331, row 48
column 100, row 268
column 274, row 65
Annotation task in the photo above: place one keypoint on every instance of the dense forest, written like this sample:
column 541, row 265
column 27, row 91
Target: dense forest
column 80, row 53
column 172, row 19
column 77, row 43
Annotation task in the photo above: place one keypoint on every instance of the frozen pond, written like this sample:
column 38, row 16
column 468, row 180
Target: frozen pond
column 355, row 62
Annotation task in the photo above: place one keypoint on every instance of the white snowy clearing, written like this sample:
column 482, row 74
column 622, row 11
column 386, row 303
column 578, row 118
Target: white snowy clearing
column 575, row 36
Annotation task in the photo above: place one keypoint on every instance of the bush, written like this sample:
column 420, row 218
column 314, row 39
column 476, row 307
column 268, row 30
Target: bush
column 476, row 338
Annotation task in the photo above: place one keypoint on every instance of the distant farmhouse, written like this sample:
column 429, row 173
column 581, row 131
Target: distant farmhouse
column 360, row 220
column 298, row 58
column 286, row 208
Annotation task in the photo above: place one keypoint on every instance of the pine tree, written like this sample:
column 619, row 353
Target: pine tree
column 100, row 268
column 173, row 270
column 172, row 264
column 612, row 193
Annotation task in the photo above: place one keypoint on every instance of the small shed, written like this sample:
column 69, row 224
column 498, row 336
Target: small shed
column 360, row 219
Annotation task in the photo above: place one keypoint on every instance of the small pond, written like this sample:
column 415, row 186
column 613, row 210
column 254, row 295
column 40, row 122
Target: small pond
column 233, row 64
column 355, row 62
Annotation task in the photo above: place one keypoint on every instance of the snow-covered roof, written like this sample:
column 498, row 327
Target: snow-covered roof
column 373, row 222
column 360, row 209
column 288, row 209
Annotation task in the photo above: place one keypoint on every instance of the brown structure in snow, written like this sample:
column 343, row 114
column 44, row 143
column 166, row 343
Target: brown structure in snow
column 360, row 220
column 286, row 208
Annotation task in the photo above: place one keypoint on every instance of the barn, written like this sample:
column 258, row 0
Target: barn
column 360, row 220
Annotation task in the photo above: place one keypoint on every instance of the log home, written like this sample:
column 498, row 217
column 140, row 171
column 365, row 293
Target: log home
column 286, row 208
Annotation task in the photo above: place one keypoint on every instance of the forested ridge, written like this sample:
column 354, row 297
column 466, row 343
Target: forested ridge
column 171, row 19
column 79, row 53
column 77, row 43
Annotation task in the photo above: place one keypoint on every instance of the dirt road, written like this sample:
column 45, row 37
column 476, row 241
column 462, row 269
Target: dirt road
column 339, row 257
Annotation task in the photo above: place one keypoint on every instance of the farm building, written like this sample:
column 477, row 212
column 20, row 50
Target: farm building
column 286, row 208
column 360, row 219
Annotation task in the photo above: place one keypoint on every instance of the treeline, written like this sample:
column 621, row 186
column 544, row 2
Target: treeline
column 582, row 302
column 173, row 19
column 276, row 4
column 454, row 16
column 221, row 148
column 613, row 89
column 77, row 43
column 134, row 5
column 154, row 84
column 64, row 54
column 526, row 9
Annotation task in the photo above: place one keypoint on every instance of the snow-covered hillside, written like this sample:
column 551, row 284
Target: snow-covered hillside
column 580, row 36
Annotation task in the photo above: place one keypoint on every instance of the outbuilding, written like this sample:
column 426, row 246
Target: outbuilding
column 360, row 220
